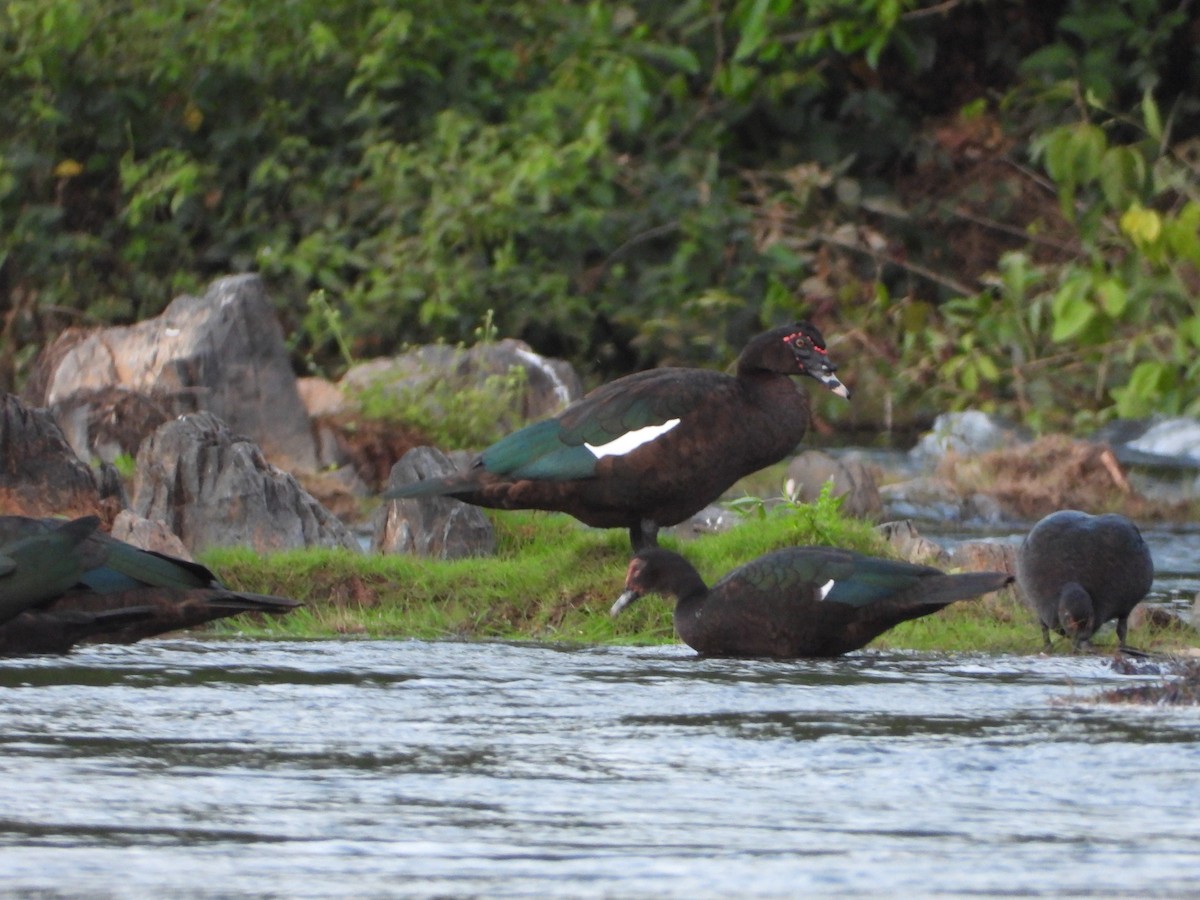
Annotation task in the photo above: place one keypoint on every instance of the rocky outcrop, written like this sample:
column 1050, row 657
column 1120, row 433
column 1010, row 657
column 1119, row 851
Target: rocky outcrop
column 1168, row 443
column 809, row 472
column 972, row 468
column 984, row 556
column 934, row 498
column 107, row 423
column 909, row 544
column 148, row 534
column 216, row 489
column 966, row 434
column 439, row 527
column 550, row 384
column 223, row 352
column 40, row 475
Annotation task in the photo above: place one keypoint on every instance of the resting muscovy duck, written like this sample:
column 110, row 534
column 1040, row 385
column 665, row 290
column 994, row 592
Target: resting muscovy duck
column 62, row 582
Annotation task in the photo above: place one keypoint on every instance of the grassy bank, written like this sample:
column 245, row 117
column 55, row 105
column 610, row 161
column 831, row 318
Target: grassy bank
column 552, row 580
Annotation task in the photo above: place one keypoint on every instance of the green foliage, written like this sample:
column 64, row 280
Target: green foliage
column 126, row 465
column 578, row 168
column 452, row 416
column 624, row 184
column 1114, row 330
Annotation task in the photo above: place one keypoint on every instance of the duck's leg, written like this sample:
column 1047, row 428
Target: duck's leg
column 643, row 534
column 1122, row 630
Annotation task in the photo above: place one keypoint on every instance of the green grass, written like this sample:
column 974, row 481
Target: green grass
column 553, row 580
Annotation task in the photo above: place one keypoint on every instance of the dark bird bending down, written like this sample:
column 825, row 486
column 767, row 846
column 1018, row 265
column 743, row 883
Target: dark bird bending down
column 799, row 601
column 650, row 449
column 64, row 582
column 1079, row 571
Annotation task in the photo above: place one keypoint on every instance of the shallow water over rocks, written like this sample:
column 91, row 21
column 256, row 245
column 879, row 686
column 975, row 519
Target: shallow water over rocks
column 373, row 769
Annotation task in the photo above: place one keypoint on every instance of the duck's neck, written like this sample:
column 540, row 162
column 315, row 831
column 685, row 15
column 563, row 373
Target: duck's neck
column 688, row 587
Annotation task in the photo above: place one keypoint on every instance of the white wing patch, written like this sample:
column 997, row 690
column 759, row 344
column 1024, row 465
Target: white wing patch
column 631, row 440
column 823, row 590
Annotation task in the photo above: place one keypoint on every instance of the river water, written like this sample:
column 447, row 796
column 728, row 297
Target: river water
column 186, row 768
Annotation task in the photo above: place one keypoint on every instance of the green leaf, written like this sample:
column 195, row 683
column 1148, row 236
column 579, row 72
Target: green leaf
column 1057, row 149
column 1055, row 60
column 1151, row 116
column 1072, row 311
column 1147, row 384
column 987, row 367
column 1182, row 233
column 681, row 58
column 969, row 377
column 1142, row 225
column 322, row 40
column 1190, row 330
column 1113, row 297
column 754, row 31
column 1122, row 175
column 1087, row 146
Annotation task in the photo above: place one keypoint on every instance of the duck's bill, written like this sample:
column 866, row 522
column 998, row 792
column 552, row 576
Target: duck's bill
column 626, row 599
column 834, row 384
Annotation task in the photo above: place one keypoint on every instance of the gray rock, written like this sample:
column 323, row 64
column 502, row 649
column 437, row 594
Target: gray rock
column 926, row 497
column 967, row 433
column 109, row 422
column 910, row 544
column 440, row 527
column 40, row 475
column 934, row 499
column 1164, row 445
column 216, row 489
column 1151, row 615
column 222, row 352
column 713, row 519
column 808, row 473
column 549, row 384
column 1161, row 455
column 320, row 397
column 984, row 556
column 149, row 535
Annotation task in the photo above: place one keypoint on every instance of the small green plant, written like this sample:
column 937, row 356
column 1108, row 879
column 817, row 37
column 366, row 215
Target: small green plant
column 453, row 416
column 323, row 323
column 487, row 331
column 126, row 465
column 822, row 517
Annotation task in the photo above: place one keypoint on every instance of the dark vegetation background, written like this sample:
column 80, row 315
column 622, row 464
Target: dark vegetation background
column 989, row 203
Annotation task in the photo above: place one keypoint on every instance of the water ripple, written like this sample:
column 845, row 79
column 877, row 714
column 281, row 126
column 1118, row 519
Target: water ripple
column 383, row 769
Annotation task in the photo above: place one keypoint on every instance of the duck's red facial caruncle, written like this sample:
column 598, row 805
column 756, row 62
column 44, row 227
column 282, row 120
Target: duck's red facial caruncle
column 812, row 359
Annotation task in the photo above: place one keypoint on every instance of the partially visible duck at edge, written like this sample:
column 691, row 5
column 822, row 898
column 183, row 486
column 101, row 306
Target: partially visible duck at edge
column 799, row 601
column 1079, row 571
column 651, row 449
column 64, row 582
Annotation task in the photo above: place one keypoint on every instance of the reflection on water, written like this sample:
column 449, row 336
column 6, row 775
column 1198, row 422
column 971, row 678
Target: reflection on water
column 410, row 769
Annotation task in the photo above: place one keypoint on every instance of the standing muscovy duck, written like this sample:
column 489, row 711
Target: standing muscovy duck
column 799, row 601
column 1078, row 571
column 650, row 449
column 62, row 582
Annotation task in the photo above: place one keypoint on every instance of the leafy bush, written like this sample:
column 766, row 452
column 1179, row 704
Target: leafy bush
column 625, row 184
column 1116, row 331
